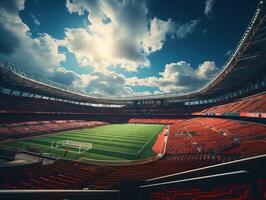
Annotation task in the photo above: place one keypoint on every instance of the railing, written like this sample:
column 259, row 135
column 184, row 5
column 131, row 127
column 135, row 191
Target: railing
column 59, row 194
column 250, row 164
column 203, row 183
column 158, row 186
column 246, row 170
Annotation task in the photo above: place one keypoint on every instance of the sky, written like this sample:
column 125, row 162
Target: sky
column 115, row 48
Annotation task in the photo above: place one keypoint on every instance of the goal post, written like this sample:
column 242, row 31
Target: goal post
column 80, row 146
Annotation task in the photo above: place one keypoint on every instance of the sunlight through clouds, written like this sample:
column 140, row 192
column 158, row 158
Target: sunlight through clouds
column 117, row 34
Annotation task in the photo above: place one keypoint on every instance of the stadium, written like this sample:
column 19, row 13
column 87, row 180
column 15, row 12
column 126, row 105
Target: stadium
column 59, row 142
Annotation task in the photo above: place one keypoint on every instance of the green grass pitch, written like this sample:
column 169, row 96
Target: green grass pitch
column 109, row 142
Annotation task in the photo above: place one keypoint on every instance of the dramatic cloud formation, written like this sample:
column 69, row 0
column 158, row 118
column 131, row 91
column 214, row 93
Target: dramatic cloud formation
column 113, row 43
column 177, row 77
column 209, row 7
column 118, row 34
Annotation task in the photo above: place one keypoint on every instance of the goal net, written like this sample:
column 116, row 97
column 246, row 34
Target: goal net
column 79, row 146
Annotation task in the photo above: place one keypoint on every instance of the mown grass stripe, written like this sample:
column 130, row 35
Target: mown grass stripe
column 112, row 136
column 94, row 141
column 132, row 140
column 99, row 146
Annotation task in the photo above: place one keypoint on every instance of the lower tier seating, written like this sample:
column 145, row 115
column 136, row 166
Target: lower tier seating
column 25, row 129
column 146, row 171
column 60, row 175
column 203, row 135
column 75, row 175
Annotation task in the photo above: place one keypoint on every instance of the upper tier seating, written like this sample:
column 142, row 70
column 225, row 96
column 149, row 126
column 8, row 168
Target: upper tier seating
column 253, row 104
column 25, row 129
column 153, row 121
column 26, row 105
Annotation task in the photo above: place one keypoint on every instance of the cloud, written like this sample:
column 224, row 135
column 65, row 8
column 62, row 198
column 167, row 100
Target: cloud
column 204, row 31
column 9, row 42
column 206, row 70
column 209, row 7
column 184, row 29
column 119, row 34
column 101, row 84
column 12, row 6
column 181, row 77
column 81, row 7
column 117, row 43
column 102, row 50
column 156, row 36
column 147, row 81
column 38, row 54
column 178, row 77
column 65, row 77
column 229, row 52
column 158, row 92
column 35, row 20
column 10, row 26
column 129, row 92
column 106, row 84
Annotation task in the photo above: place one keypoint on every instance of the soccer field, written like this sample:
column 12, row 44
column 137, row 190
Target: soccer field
column 109, row 142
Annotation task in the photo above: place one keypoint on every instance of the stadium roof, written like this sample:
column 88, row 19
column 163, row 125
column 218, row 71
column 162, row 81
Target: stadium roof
column 246, row 64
